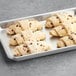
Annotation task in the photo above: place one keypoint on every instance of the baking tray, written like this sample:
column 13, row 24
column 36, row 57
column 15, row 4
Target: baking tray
column 40, row 17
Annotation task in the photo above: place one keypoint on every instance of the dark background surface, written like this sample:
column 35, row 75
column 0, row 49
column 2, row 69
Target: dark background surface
column 63, row 64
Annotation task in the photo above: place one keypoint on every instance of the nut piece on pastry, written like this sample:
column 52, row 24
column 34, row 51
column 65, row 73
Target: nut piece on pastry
column 22, row 25
column 67, row 40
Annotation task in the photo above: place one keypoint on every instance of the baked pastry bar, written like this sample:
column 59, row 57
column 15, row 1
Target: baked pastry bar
column 16, row 40
column 72, row 27
column 30, row 47
column 33, row 25
column 22, row 25
column 13, row 29
column 37, row 46
column 27, row 35
column 62, row 30
column 66, row 28
column 21, row 50
column 53, row 21
column 39, row 36
column 67, row 40
column 58, row 18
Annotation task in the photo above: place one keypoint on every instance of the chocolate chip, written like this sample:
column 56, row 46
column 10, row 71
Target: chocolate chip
column 62, row 27
column 30, row 24
column 12, row 30
column 21, row 35
column 37, row 43
column 24, row 46
column 16, row 25
column 14, row 39
column 70, row 38
column 40, row 44
column 60, row 22
column 71, row 22
column 70, row 15
column 57, row 17
column 51, row 23
column 30, row 43
column 67, row 18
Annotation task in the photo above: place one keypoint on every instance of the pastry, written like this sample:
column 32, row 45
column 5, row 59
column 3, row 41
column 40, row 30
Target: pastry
column 58, row 31
column 39, row 36
column 16, row 40
column 65, row 29
column 35, row 25
column 53, row 21
column 22, row 25
column 30, row 47
column 58, row 18
column 67, row 40
column 37, row 47
column 27, row 35
column 16, row 52
column 72, row 27
column 21, row 50
column 14, row 29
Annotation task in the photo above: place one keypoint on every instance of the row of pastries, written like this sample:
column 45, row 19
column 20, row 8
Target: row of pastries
column 27, row 37
column 62, row 26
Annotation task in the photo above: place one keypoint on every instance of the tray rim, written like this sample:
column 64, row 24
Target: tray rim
column 20, row 18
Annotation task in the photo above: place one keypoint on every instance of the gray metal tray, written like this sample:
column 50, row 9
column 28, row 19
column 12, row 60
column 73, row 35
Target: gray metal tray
column 41, row 17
